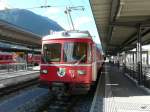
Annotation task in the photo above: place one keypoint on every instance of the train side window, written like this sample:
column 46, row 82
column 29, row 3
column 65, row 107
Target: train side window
column 94, row 53
column 1, row 58
column 7, row 57
column 89, row 57
column 4, row 57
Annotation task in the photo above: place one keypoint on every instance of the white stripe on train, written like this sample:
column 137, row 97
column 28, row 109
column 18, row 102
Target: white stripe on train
column 66, row 64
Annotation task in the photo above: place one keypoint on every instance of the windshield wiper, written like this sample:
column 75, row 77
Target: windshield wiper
column 80, row 59
column 44, row 59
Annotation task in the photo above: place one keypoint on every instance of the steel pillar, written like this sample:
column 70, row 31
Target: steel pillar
column 125, row 54
column 124, row 62
column 139, row 57
column 26, row 53
column 147, row 57
column 133, row 58
column 133, row 64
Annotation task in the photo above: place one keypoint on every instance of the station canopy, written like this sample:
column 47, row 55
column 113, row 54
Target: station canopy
column 10, row 33
column 119, row 22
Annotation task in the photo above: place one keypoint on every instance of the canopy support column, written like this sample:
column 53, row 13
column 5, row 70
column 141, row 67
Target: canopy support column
column 139, row 56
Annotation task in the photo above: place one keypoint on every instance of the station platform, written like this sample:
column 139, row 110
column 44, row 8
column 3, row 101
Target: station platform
column 117, row 93
column 12, row 78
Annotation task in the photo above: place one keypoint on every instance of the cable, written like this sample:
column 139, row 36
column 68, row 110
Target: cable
column 44, row 6
column 45, row 2
column 71, row 4
column 92, row 18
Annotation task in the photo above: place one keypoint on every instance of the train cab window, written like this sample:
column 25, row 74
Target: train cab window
column 52, row 52
column 75, row 52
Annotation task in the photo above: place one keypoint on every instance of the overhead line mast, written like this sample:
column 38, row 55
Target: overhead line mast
column 69, row 9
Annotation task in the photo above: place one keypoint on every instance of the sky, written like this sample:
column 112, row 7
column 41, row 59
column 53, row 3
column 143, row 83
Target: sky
column 82, row 19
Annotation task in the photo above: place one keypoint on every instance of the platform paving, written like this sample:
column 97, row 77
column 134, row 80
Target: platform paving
column 12, row 78
column 117, row 93
column 7, row 75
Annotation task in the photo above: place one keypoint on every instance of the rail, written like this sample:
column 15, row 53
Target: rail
column 132, row 71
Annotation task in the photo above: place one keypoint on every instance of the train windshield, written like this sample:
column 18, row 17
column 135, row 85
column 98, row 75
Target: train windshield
column 75, row 52
column 52, row 52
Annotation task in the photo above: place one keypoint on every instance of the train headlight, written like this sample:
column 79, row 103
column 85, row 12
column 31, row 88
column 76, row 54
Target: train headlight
column 81, row 72
column 44, row 71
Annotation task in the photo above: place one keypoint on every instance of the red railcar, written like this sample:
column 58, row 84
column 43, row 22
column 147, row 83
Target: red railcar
column 6, row 58
column 10, row 57
column 70, row 59
column 34, row 59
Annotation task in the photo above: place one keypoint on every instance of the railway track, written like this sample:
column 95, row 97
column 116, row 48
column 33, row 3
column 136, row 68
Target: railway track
column 63, row 104
column 75, row 103
column 16, row 87
column 72, row 103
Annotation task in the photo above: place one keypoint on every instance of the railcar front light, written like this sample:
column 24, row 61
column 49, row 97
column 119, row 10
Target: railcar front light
column 44, row 71
column 81, row 72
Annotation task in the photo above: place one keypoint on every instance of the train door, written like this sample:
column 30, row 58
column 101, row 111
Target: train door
column 94, row 63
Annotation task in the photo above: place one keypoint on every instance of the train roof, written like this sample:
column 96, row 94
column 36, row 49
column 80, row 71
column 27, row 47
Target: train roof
column 68, row 34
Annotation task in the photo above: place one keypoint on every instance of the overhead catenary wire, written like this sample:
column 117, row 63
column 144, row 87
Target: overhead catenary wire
column 45, row 2
column 71, row 4
column 90, row 15
column 45, row 5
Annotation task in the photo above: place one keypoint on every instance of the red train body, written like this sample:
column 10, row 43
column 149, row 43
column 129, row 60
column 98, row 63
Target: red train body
column 71, row 59
column 8, row 57
column 34, row 59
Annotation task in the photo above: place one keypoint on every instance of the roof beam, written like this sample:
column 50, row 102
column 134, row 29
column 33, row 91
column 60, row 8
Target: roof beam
column 146, row 42
column 125, row 24
column 115, row 4
column 132, row 23
column 133, row 38
column 142, row 35
column 129, row 39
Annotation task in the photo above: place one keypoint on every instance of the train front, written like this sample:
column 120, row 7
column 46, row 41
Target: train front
column 67, row 61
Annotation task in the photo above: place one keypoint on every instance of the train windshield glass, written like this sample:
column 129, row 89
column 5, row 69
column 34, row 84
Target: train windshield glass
column 52, row 52
column 75, row 52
